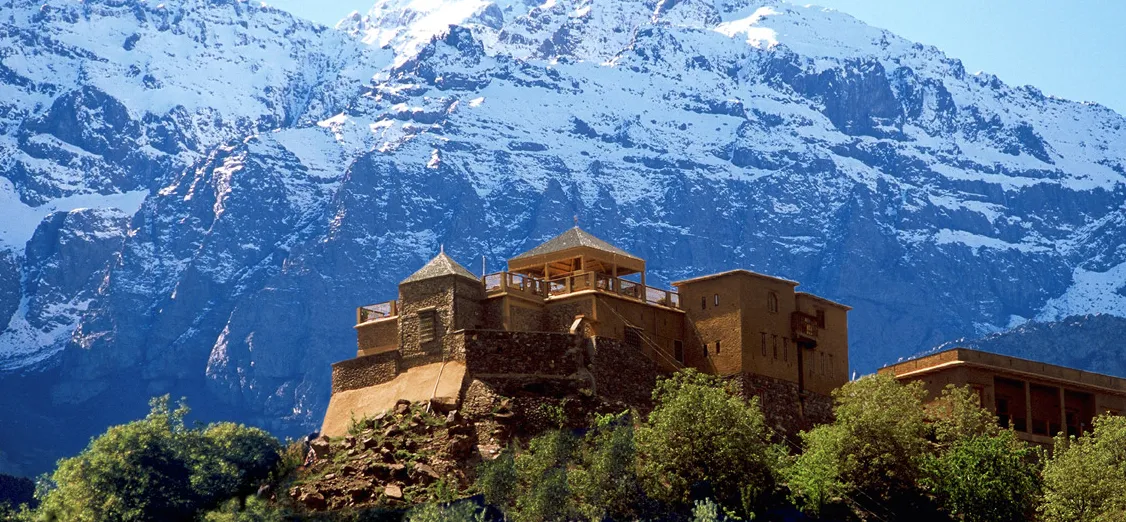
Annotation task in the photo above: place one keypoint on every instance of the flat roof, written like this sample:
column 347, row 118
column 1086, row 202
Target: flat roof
column 734, row 272
column 823, row 300
column 1006, row 364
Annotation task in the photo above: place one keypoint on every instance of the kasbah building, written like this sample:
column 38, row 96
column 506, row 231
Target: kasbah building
column 576, row 314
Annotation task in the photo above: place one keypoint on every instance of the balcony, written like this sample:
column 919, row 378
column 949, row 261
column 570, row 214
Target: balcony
column 806, row 327
column 502, row 282
column 377, row 311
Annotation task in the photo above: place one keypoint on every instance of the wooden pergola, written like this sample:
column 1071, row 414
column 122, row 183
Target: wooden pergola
column 576, row 251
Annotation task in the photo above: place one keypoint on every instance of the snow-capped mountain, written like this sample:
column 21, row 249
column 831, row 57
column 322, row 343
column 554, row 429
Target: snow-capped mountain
column 196, row 196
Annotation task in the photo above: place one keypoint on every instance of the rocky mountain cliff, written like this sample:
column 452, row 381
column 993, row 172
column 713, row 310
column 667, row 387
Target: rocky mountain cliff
column 195, row 196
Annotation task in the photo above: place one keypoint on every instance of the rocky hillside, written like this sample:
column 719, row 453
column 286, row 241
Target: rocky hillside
column 196, row 196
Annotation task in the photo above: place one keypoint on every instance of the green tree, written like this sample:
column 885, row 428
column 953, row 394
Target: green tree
column 702, row 440
column 157, row 469
column 958, row 415
column 604, row 481
column 456, row 512
column 814, row 477
column 870, row 455
column 1085, row 478
column 252, row 509
column 531, row 485
column 986, row 478
column 541, row 474
column 496, row 480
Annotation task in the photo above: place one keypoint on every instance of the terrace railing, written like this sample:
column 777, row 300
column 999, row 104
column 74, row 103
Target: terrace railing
column 512, row 282
column 377, row 311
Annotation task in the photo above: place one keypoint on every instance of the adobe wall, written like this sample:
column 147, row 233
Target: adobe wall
column 661, row 327
column 364, row 371
column 830, row 358
column 377, row 336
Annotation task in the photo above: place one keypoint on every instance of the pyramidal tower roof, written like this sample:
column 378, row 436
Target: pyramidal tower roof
column 572, row 238
column 441, row 265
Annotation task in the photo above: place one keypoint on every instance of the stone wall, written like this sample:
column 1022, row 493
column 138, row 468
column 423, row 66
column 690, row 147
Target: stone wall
column 526, row 317
column 561, row 315
column 781, row 405
column 466, row 303
column 503, row 352
column 365, row 371
column 623, row 374
column 434, row 293
column 492, row 313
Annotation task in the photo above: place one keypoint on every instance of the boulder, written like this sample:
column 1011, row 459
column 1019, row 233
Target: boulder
column 313, row 500
column 320, row 446
column 393, row 492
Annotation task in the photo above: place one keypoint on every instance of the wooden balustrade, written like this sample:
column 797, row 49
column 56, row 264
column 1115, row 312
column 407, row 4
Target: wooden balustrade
column 377, row 311
column 511, row 282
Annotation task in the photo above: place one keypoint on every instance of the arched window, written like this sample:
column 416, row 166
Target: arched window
column 772, row 302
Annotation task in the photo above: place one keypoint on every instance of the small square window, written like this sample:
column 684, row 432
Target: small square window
column 703, row 302
column 820, row 318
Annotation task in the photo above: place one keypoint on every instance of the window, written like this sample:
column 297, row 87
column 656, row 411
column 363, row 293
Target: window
column 822, row 363
column 820, row 318
column 678, row 350
column 772, row 302
column 776, row 347
column 764, row 344
column 786, row 349
column 716, row 300
column 717, row 347
column 633, row 337
column 427, row 325
column 703, row 302
column 831, row 367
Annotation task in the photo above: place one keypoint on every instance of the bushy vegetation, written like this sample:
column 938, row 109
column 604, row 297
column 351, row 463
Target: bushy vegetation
column 159, row 469
column 1085, row 479
column 702, row 454
column 705, row 454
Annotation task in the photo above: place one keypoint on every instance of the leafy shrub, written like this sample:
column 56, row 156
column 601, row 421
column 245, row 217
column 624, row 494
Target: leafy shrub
column 156, row 469
column 1085, row 479
column 870, row 455
column 958, row 414
column 457, row 512
column 986, row 478
column 703, row 441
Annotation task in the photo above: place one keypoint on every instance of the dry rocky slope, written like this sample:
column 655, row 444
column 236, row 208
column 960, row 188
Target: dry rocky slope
column 425, row 451
column 195, row 195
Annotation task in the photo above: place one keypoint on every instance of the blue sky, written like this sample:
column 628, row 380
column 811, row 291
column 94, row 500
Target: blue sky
column 1072, row 49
